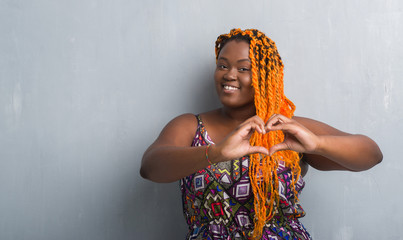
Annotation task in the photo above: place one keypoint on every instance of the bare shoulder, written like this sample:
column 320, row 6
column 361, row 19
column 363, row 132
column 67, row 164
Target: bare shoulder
column 184, row 121
column 318, row 127
column 178, row 132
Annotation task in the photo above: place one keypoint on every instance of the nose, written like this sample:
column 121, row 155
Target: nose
column 231, row 74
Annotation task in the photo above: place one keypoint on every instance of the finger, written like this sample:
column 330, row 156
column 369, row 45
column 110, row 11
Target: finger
column 253, row 124
column 285, row 127
column 272, row 116
column 277, row 119
column 260, row 123
column 258, row 149
column 255, row 119
column 278, row 147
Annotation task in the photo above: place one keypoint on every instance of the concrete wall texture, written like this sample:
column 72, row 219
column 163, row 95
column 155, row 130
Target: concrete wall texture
column 86, row 86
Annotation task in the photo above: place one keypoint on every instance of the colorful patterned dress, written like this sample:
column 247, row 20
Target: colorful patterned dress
column 218, row 201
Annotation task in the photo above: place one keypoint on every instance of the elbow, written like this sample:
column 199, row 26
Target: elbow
column 143, row 173
column 150, row 173
column 147, row 172
column 379, row 157
column 375, row 160
column 144, row 170
column 375, row 156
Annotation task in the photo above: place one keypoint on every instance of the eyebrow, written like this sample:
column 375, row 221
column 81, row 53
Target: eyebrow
column 240, row 60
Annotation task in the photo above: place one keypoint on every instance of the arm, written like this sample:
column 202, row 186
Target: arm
column 324, row 147
column 171, row 156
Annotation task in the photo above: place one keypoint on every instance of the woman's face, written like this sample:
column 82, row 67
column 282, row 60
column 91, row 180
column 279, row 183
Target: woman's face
column 232, row 76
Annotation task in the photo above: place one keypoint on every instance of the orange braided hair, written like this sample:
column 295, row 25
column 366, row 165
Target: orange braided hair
column 267, row 81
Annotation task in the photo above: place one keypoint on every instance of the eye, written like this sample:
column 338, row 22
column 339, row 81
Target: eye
column 244, row 69
column 221, row 66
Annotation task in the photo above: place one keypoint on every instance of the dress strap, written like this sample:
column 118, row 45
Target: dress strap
column 201, row 131
column 199, row 121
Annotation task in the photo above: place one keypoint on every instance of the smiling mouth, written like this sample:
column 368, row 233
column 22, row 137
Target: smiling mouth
column 226, row 87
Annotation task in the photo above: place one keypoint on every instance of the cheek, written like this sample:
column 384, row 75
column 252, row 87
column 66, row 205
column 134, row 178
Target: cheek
column 252, row 92
column 217, row 81
column 250, row 88
column 247, row 81
column 216, row 75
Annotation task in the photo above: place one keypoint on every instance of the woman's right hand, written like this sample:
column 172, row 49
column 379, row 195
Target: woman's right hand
column 237, row 144
column 171, row 157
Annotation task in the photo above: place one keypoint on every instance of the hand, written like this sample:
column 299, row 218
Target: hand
column 296, row 137
column 237, row 144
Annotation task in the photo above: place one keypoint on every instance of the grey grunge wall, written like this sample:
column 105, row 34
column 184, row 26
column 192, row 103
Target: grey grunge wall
column 86, row 86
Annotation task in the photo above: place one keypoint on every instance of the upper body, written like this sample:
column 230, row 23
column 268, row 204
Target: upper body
column 172, row 157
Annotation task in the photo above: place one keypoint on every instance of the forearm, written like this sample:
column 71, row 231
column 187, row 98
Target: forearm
column 171, row 163
column 354, row 152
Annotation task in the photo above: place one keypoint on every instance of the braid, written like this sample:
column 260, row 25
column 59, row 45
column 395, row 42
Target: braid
column 267, row 81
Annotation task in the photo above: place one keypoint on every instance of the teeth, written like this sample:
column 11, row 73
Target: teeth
column 230, row 87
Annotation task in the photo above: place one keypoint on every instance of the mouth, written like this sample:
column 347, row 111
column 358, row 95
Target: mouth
column 230, row 88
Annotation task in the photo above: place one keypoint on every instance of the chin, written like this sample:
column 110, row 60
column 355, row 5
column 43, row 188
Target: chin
column 236, row 104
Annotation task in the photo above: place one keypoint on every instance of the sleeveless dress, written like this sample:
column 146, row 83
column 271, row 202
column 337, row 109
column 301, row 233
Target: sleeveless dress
column 218, row 201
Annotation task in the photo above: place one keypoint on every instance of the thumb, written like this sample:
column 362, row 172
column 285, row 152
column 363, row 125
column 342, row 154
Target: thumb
column 278, row 147
column 258, row 149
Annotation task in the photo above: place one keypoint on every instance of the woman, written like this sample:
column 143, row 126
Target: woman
column 241, row 165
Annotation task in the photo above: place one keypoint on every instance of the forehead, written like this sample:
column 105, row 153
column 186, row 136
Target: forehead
column 235, row 49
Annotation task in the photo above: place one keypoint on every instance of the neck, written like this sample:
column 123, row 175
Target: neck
column 238, row 115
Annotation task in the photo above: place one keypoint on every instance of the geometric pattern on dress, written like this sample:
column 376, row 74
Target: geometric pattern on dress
column 241, row 191
column 199, row 182
column 216, row 209
column 225, row 178
column 218, row 201
column 242, row 218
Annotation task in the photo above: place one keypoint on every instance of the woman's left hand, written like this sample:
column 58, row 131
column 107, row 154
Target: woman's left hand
column 296, row 137
column 324, row 147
